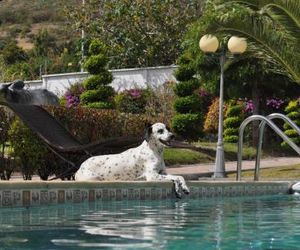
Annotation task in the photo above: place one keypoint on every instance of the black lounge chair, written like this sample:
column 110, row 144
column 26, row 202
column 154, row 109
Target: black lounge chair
column 59, row 140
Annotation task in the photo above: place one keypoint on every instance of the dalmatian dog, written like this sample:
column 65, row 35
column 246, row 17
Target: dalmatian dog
column 144, row 162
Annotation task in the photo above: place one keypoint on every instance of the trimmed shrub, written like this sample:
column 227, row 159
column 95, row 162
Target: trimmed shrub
column 188, row 104
column 231, row 131
column 184, row 73
column 294, row 115
column 97, row 93
column 212, row 117
column 292, row 111
column 186, row 88
column 191, row 101
column 103, row 93
column 235, row 110
column 96, row 81
column 232, row 122
column 234, row 117
column 95, row 64
column 186, row 125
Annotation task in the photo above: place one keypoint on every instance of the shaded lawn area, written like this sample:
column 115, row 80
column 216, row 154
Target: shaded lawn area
column 275, row 173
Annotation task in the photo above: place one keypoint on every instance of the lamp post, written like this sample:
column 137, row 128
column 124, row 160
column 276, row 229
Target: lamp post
column 210, row 44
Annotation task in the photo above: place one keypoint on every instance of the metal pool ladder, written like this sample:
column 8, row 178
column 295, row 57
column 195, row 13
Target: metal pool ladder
column 263, row 121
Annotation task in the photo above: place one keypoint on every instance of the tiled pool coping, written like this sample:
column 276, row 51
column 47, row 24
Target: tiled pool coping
column 35, row 193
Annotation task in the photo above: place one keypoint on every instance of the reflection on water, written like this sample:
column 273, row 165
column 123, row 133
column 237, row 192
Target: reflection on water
column 241, row 223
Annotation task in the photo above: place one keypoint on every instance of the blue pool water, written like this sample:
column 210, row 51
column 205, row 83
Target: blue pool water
column 269, row 222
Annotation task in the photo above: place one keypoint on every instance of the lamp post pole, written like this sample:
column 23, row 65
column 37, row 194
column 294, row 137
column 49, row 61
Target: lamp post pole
column 219, row 171
column 210, row 44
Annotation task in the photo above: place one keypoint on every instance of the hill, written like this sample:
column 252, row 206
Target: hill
column 22, row 20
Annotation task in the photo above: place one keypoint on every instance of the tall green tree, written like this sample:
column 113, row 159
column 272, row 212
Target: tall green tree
column 139, row 33
column 272, row 28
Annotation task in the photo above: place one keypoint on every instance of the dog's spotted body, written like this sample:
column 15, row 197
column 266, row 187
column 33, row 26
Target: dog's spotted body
column 144, row 162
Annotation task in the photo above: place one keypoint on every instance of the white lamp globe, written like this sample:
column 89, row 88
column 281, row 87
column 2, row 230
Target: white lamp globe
column 209, row 44
column 237, row 45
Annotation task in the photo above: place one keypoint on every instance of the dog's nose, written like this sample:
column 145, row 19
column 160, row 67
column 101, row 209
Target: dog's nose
column 172, row 136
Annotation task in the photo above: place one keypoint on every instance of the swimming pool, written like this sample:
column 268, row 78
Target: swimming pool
column 264, row 222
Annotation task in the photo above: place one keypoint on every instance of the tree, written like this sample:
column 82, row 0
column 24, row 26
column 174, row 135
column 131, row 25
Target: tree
column 272, row 28
column 254, row 74
column 138, row 33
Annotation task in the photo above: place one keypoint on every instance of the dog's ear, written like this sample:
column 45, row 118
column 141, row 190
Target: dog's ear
column 148, row 131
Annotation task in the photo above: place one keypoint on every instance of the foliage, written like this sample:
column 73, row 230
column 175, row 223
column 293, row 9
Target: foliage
column 72, row 96
column 97, row 94
column 95, row 124
column 138, row 33
column 187, row 125
column 11, row 53
column 212, row 118
column 27, row 147
column 188, row 104
column 293, row 112
column 192, row 101
column 234, row 117
column 271, row 26
column 186, row 88
column 133, row 100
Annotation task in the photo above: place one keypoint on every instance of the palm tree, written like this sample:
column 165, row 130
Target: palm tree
column 272, row 28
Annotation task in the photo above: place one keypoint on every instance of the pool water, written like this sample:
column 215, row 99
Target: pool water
column 266, row 222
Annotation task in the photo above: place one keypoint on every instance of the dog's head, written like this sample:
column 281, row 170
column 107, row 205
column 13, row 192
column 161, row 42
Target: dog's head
column 159, row 133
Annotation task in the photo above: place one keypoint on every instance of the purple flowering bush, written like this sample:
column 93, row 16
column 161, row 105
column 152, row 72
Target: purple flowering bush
column 275, row 103
column 248, row 107
column 133, row 100
column 72, row 96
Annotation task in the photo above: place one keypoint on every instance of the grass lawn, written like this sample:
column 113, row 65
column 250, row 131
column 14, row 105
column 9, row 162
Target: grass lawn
column 275, row 173
column 174, row 156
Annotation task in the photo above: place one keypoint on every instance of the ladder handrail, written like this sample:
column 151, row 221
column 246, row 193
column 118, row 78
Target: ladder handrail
column 241, row 135
column 262, row 126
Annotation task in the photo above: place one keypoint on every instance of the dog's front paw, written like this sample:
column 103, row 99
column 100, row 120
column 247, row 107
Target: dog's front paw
column 186, row 190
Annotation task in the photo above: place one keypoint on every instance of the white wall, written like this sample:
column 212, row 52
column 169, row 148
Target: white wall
column 122, row 79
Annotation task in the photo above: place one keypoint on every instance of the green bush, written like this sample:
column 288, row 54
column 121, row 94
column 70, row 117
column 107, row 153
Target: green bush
column 96, row 81
column 235, row 110
column 103, row 93
column 100, row 105
column 291, row 133
column 97, row 47
column 186, row 88
column 97, row 92
column 184, row 73
column 231, row 131
column 231, row 138
column 294, row 115
column 234, row 117
column 292, row 106
column 95, row 64
column 188, row 104
column 286, row 126
column 187, row 125
column 293, row 112
column 232, row 122
column 26, row 147
column 133, row 100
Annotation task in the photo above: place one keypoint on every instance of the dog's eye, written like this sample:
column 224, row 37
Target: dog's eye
column 160, row 131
